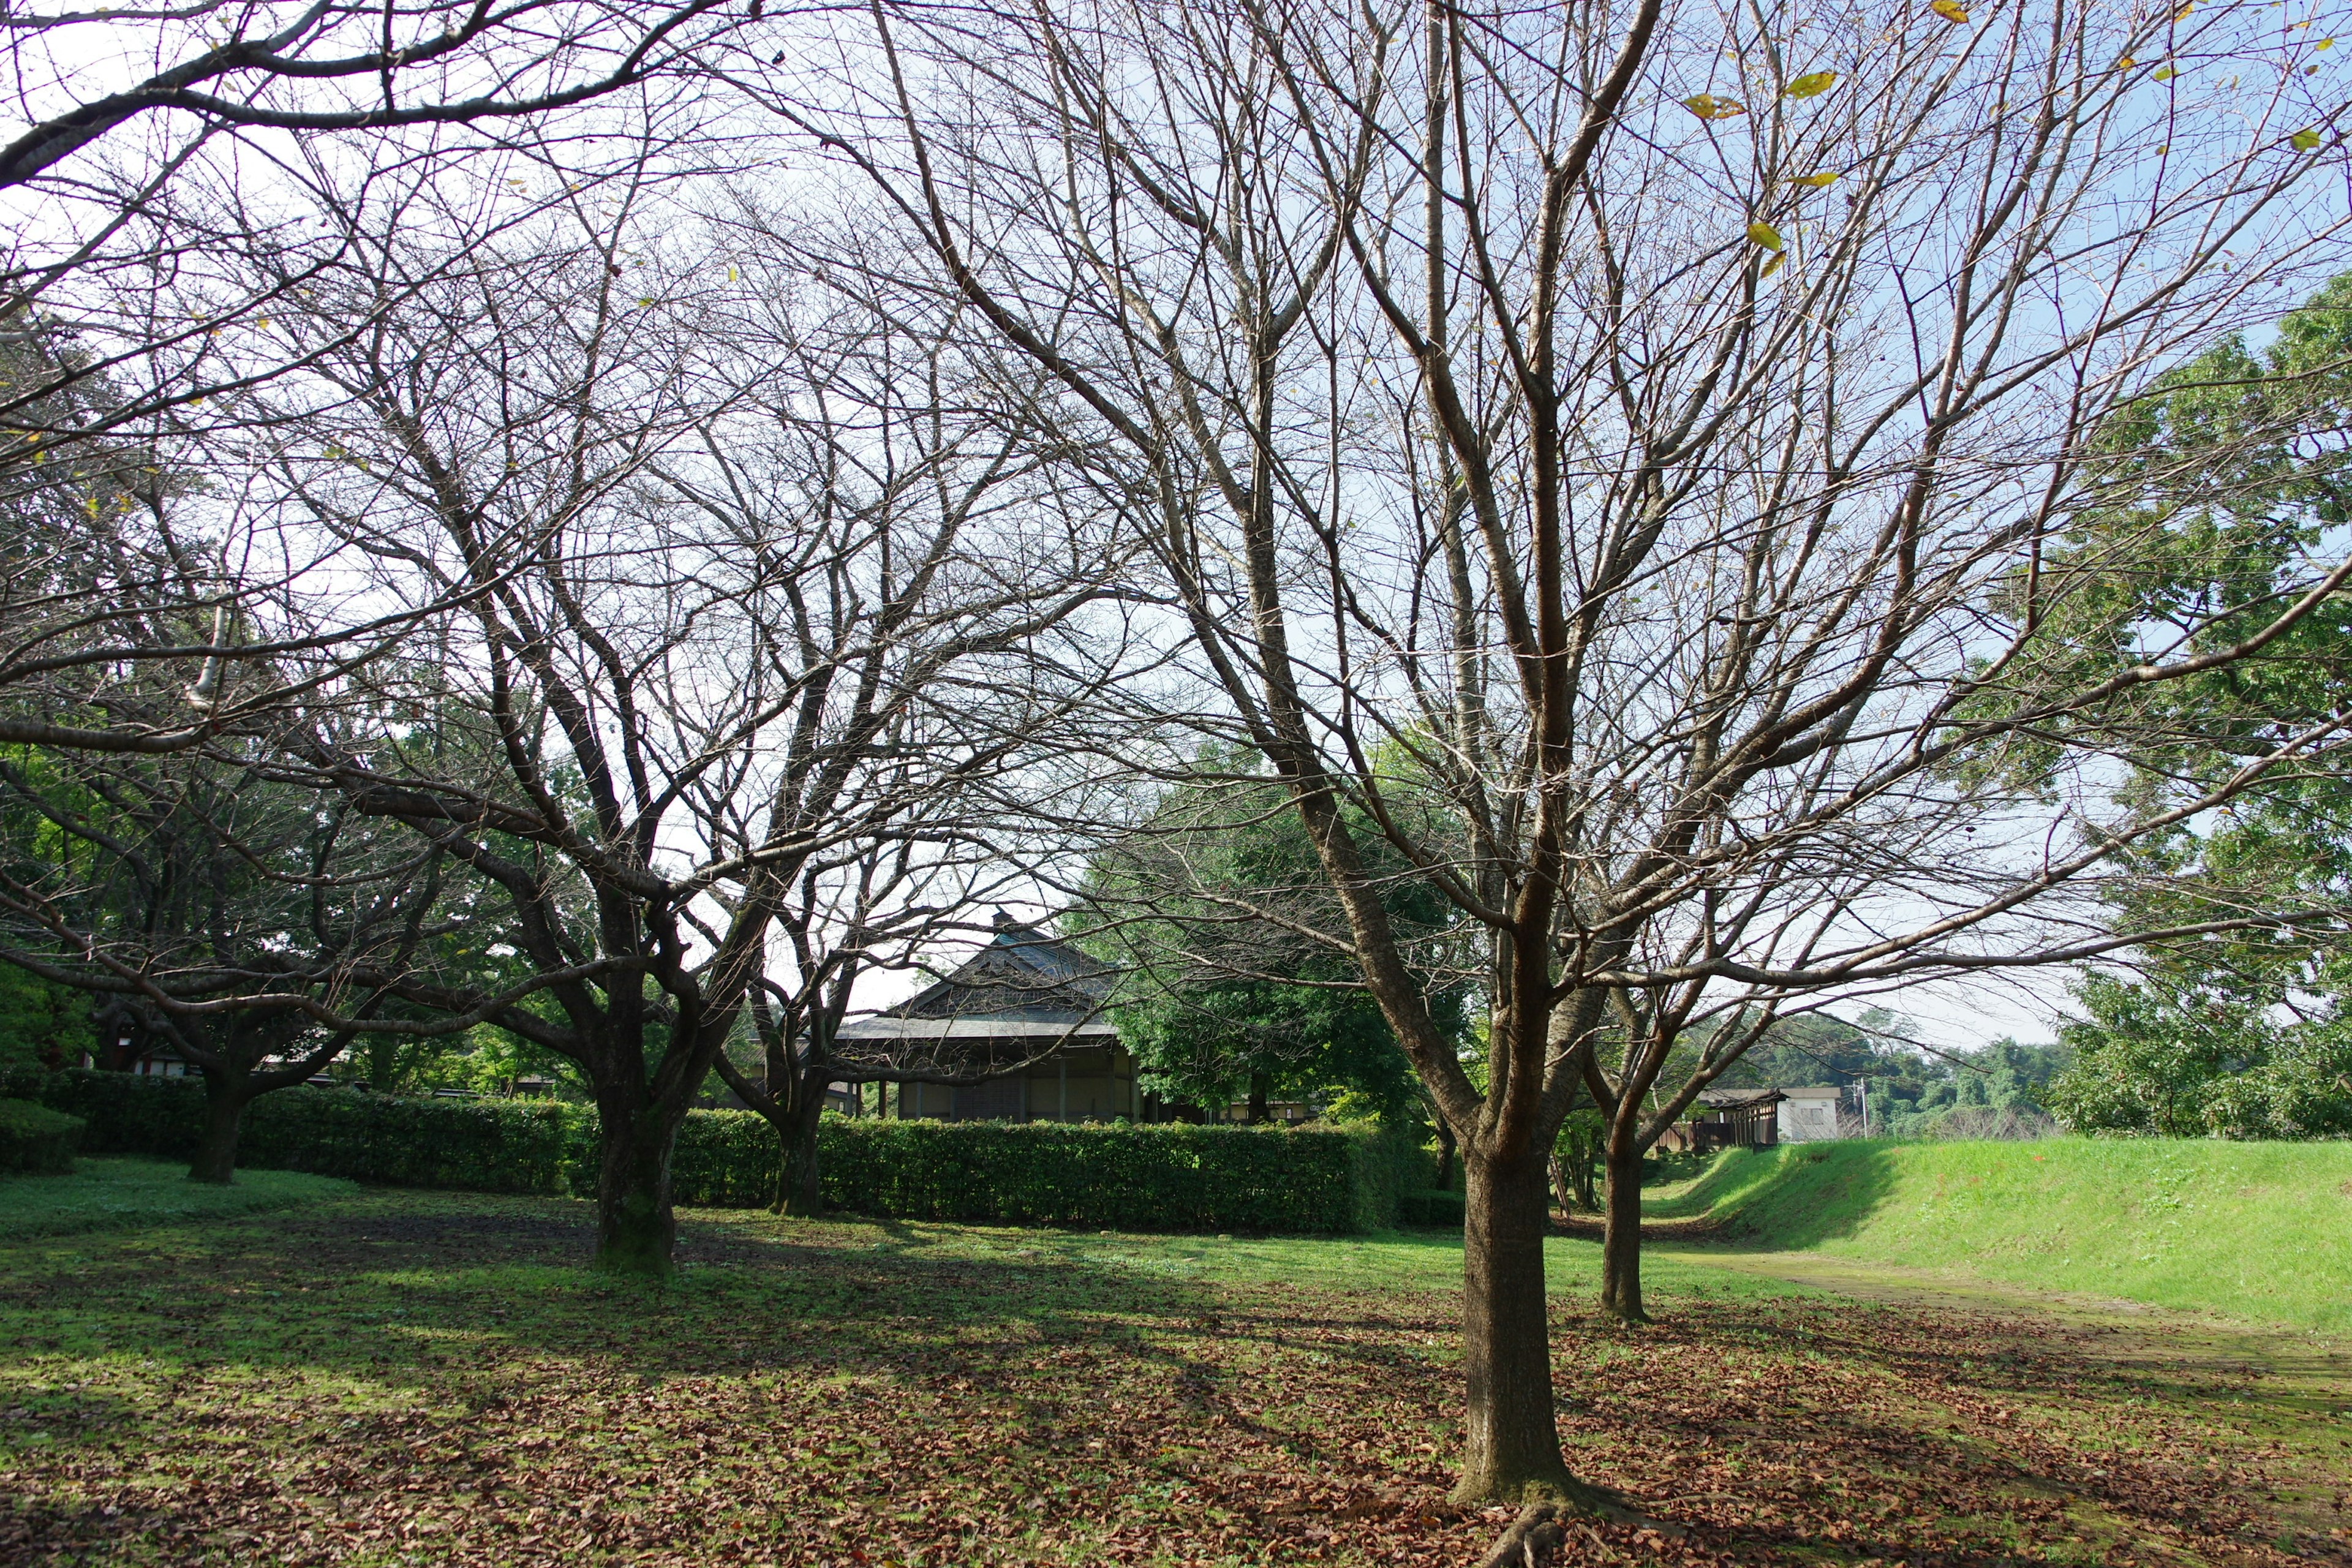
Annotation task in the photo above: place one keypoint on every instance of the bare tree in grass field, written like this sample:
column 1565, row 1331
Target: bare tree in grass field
column 870, row 476
column 720, row 603
column 1642, row 428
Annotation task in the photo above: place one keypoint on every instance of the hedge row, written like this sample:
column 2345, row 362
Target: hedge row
column 36, row 1140
column 1435, row 1207
column 1121, row 1176
column 491, row 1146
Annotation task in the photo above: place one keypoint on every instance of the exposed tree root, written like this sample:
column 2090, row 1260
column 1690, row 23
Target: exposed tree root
column 1531, row 1540
column 1534, row 1538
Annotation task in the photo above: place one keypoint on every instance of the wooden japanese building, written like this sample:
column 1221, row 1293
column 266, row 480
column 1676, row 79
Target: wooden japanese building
column 1027, row 1010
column 1727, row 1118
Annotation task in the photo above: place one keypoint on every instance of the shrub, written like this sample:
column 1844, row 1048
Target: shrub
column 1435, row 1209
column 1115, row 1176
column 494, row 1146
column 35, row 1139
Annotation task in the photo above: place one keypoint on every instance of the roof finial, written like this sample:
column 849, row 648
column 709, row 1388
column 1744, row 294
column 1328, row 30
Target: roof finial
column 1003, row 920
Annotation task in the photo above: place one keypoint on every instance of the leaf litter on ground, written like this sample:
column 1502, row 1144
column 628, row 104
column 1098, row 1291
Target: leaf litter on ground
column 410, row 1378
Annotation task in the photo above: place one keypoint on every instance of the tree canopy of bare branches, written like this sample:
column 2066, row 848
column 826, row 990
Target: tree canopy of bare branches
column 713, row 606
column 1638, row 427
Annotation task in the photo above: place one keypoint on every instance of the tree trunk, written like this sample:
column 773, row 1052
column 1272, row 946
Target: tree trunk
column 1513, row 1453
column 636, row 1233
column 1257, row 1093
column 1446, row 1150
column 800, row 1189
column 224, row 1102
column 1621, row 1248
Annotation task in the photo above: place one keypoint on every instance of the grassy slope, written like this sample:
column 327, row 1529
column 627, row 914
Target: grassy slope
column 107, row 1195
column 2262, row 1231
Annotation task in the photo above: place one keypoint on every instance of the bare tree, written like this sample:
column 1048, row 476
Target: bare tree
column 181, row 175
column 659, row 685
column 1648, row 422
column 874, row 482
column 324, row 66
column 204, row 909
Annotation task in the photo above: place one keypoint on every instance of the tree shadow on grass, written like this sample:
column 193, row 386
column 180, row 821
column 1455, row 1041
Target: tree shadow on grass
column 442, row 1371
column 381, row 1286
column 453, row 1326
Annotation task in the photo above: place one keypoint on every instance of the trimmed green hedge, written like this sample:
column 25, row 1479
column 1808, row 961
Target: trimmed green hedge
column 1435, row 1208
column 1125, row 1177
column 1117, row 1177
column 35, row 1140
column 491, row 1146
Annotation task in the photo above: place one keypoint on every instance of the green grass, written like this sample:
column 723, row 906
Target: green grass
column 2257, row 1231
column 1393, row 1261
column 395, row 1379
column 109, row 1194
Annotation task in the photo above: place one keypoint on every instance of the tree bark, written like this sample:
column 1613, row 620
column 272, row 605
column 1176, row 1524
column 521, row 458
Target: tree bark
column 1513, row 1450
column 225, row 1099
column 1258, row 1090
column 800, row 1189
column 1445, row 1151
column 1621, row 1247
column 637, row 1232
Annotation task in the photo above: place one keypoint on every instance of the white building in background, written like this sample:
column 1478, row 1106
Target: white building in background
column 1809, row 1115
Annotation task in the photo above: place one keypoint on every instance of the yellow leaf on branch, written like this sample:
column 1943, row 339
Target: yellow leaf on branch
column 1706, row 106
column 1949, row 10
column 1815, row 182
column 2304, row 141
column 1765, row 235
column 1811, row 85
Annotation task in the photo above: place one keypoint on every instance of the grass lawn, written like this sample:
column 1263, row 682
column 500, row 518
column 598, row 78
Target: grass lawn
column 392, row 1378
column 102, row 1195
column 2259, row 1232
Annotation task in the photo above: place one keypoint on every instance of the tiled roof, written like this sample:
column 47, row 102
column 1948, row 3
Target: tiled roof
column 1022, row 982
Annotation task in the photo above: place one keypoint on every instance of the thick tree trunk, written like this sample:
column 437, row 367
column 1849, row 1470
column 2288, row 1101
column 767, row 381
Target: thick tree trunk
column 636, row 1233
column 1258, row 1090
column 1513, row 1449
column 800, row 1189
column 1621, row 1248
column 1445, row 1151
column 224, row 1101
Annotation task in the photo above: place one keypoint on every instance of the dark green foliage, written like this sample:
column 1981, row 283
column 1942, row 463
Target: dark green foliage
column 1120, row 1177
column 1435, row 1210
column 42, row 1023
column 2237, row 477
column 1224, row 997
column 36, row 1139
column 497, row 1146
column 1117, row 1177
column 2152, row 1060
